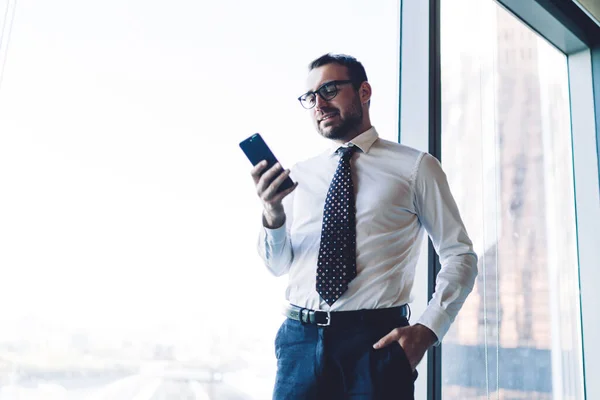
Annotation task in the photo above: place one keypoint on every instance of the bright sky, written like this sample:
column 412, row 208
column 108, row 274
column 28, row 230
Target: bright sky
column 125, row 201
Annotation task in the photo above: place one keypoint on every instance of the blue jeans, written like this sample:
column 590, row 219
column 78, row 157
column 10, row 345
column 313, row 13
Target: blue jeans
column 340, row 363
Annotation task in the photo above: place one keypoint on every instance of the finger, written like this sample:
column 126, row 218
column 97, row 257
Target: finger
column 270, row 192
column 391, row 337
column 280, row 196
column 266, row 178
column 257, row 170
column 275, row 183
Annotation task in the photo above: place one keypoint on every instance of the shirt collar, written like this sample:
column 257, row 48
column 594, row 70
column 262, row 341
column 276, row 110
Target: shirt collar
column 364, row 141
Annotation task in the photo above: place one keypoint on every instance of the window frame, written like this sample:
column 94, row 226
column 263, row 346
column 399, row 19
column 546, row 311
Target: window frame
column 565, row 25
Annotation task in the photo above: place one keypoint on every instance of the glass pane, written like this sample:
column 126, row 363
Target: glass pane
column 128, row 217
column 506, row 147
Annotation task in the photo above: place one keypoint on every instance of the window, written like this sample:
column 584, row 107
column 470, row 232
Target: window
column 128, row 220
column 506, row 147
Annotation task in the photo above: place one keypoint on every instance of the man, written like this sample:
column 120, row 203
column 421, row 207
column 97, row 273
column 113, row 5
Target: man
column 348, row 233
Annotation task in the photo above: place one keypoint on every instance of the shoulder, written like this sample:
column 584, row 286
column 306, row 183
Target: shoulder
column 396, row 150
column 403, row 158
column 429, row 165
column 429, row 172
column 420, row 165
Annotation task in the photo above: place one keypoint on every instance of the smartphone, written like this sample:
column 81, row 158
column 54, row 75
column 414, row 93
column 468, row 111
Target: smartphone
column 257, row 150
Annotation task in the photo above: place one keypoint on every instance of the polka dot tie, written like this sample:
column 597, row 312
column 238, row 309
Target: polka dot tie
column 336, row 266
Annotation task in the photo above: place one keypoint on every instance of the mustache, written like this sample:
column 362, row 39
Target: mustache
column 325, row 111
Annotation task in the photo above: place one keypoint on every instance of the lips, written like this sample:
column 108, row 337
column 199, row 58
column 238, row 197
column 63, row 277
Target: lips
column 327, row 117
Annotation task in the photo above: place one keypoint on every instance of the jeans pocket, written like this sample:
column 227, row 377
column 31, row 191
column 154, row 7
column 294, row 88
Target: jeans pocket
column 404, row 360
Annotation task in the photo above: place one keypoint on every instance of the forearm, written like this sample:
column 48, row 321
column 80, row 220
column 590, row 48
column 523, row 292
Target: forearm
column 453, row 285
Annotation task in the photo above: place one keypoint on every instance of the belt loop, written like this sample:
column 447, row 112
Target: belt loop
column 409, row 312
column 301, row 314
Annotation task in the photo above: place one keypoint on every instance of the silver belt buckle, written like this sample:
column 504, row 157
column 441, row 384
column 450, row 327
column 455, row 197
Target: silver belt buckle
column 328, row 319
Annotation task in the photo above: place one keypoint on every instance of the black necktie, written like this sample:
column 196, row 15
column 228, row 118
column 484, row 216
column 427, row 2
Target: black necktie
column 336, row 266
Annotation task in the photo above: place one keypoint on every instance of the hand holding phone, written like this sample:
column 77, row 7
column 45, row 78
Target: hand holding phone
column 257, row 150
column 272, row 183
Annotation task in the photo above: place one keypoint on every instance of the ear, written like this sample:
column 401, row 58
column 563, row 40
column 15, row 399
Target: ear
column 364, row 91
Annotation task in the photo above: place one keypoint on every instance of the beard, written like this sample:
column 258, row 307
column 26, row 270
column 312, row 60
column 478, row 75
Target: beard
column 348, row 123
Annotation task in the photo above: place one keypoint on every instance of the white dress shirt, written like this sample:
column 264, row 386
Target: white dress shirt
column 400, row 192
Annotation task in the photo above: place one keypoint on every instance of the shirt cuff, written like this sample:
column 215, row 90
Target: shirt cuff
column 436, row 319
column 276, row 236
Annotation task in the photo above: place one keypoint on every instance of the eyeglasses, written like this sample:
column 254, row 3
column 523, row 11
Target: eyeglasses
column 327, row 91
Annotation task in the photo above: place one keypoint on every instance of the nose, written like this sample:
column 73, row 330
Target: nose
column 320, row 103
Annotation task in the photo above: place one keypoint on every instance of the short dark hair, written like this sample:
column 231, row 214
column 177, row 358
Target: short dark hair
column 356, row 71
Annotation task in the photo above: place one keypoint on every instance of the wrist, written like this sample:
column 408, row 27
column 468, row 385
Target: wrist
column 273, row 220
column 428, row 336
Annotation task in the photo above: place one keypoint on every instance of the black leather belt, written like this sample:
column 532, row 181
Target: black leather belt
column 337, row 318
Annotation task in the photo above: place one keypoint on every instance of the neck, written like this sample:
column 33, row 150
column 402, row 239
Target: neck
column 363, row 127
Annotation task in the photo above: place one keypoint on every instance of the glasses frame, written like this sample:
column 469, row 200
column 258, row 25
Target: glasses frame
column 322, row 93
